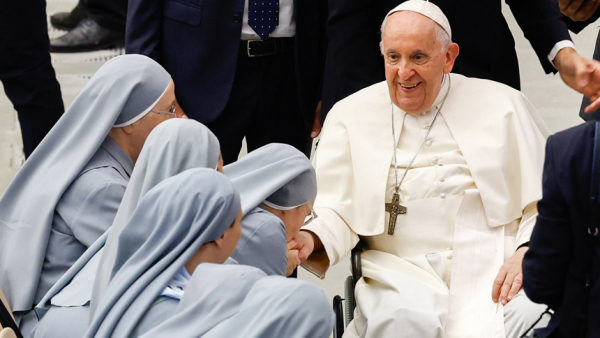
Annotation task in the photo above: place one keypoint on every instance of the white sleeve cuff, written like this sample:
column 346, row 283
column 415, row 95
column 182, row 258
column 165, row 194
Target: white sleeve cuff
column 559, row 45
column 527, row 224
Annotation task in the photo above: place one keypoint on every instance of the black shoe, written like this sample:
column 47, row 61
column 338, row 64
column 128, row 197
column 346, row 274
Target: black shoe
column 68, row 20
column 86, row 37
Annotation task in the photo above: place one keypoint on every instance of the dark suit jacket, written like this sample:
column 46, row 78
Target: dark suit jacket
column 487, row 48
column 554, row 268
column 197, row 41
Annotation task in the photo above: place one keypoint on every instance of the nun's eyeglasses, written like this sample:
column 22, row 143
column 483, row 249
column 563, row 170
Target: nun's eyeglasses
column 172, row 111
column 311, row 216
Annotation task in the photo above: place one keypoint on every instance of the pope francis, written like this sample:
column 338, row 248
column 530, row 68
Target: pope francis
column 438, row 175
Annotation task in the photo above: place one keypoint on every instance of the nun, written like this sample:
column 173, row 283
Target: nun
column 241, row 301
column 187, row 220
column 171, row 148
column 67, row 193
column 277, row 184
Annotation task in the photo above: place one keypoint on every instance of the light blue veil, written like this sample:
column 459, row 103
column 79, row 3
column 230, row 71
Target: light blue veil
column 121, row 92
column 241, row 301
column 172, row 147
column 277, row 174
column 172, row 221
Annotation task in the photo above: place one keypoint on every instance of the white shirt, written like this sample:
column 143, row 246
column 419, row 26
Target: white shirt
column 285, row 29
column 557, row 47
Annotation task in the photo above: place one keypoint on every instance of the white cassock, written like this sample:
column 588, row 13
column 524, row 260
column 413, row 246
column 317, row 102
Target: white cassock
column 471, row 201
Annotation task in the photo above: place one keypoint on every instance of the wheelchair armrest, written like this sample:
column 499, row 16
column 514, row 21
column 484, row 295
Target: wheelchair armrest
column 355, row 260
column 338, row 309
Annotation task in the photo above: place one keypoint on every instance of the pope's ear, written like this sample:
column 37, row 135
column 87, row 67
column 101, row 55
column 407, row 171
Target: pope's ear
column 451, row 55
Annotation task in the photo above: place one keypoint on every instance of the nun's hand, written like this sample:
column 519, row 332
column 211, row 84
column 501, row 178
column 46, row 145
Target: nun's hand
column 293, row 262
column 305, row 244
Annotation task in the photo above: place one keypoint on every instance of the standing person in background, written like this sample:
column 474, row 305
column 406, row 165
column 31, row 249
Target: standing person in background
column 26, row 71
column 562, row 267
column 92, row 25
column 487, row 46
column 240, row 77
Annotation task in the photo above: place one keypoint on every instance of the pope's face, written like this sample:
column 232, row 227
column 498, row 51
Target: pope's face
column 414, row 60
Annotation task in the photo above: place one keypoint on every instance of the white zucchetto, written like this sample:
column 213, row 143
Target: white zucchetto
column 427, row 9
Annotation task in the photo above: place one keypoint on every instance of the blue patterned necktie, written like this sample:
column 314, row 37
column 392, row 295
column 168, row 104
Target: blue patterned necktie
column 263, row 16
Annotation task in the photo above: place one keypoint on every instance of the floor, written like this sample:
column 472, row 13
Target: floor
column 558, row 104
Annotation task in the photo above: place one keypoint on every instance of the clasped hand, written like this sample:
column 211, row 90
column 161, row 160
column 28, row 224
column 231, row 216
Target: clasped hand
column 581, row 74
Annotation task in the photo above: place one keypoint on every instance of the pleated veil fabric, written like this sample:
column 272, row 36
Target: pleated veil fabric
column 241, row 301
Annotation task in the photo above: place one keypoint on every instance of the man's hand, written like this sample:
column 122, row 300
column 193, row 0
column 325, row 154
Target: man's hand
column 510, row 278
column 305, row 245
column 317, row 124
column 578, row 10
column 293, row 260
column 581, row 74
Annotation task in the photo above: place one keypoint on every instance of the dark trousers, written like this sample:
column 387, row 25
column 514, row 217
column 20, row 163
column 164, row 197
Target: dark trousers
column 593, row 116
column 109, row 14
column 263, row 106
column 26, row 71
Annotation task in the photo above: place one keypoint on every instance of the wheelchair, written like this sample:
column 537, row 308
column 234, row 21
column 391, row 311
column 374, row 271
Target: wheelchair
column 344, row 307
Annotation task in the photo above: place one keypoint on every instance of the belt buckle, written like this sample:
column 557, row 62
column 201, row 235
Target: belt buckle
column 248, row 49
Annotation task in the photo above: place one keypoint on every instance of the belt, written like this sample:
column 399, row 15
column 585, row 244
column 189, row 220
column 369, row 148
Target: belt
column 254, row 48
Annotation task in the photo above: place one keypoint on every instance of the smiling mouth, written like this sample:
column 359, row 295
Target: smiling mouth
column 409, row 86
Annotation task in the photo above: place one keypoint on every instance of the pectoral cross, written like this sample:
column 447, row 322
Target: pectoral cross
column 395, row 209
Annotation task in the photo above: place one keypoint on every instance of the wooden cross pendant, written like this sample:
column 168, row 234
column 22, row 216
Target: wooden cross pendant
column 395, row 209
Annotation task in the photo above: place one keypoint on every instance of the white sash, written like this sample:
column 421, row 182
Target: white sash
column 478, row 256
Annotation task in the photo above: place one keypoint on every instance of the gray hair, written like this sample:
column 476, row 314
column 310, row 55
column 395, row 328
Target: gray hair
column 442, row 36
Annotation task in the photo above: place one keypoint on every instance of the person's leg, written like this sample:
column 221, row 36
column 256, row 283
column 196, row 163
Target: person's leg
column 109, row 14
column 103, row 27
column 232, row 124
column 26, row 71
column 278, row 118
column 69, row 20
column 521, row 314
